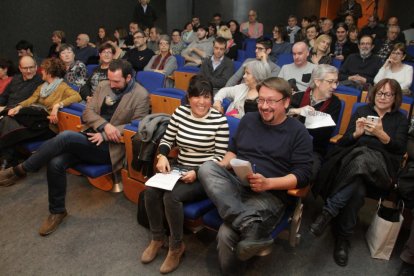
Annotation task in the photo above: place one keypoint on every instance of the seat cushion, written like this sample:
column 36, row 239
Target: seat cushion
column 194, row 210
column 93, row 170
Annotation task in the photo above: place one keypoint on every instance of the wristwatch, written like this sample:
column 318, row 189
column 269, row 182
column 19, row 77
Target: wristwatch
column 159, row 155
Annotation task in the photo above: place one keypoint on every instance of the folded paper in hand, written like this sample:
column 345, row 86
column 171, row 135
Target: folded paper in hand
column 164, row 181
column 242, row 168
column 317, row 119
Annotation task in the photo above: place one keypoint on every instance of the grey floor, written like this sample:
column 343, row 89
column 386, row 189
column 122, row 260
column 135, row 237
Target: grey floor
column 101, row 237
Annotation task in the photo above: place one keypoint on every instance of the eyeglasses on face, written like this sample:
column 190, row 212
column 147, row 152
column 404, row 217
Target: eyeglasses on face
column 271, row 102
column 331, row 82
column 387, row 95
column 28, row 68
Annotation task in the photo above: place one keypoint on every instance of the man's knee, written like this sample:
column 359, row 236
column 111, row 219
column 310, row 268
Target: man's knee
column 58, row 163
column 205, row 169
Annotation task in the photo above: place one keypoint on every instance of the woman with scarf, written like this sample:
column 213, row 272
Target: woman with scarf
column 164, row 63
column 37, row 115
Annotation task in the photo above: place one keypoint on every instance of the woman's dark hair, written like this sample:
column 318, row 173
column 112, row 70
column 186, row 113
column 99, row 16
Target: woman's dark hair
column 7, row 64
column 213, row 27
column 395, row 88
column 313, row 26
column 122, row 32
column 54, row 67
column 105, row 46
column 65, row 46
column 283, row 31
column 341, row 25
column 200, row 86
column 186, row 24
column 401, row 47
column 235, row 22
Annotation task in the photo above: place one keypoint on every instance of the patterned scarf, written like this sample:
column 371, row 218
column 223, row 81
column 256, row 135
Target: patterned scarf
column 163, row 61
column 49, row 88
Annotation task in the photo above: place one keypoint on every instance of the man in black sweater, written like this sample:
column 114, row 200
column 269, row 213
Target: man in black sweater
column 140, row 55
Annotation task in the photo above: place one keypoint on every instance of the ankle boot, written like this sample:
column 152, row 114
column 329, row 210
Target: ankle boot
column 10, row 175
column 151, row 251
column 173, row 259
column 320, row 223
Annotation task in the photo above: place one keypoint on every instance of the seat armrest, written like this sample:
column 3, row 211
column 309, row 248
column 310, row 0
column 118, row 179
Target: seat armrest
column 336, row 138
column 302, row 192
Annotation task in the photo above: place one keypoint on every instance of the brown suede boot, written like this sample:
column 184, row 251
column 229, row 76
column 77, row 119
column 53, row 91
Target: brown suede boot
column 173, row 259
column 151, row 251
column 9, row 176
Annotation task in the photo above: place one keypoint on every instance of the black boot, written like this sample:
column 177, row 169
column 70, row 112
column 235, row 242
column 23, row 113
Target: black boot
column 320, row 223
column 254, row 240
column 341, row 251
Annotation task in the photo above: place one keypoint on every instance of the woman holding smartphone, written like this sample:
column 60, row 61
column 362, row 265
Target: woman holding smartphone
column 368, row 158
column 201, row 134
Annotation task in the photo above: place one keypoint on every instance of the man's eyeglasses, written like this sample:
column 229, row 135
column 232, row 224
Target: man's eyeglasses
column 137, row 36
column 387, row 95
column 331, row 82
column 270, row 102
column 28, row 68
column 106, row 52
column 260, row 49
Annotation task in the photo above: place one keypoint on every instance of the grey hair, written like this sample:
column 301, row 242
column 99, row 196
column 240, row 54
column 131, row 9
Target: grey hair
column 319, row 72
column 165, row 38
column 260, row 70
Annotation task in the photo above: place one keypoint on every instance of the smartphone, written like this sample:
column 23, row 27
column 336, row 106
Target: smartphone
column 373, row 119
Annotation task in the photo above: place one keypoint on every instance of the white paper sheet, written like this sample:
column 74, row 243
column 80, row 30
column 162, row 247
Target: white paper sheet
column 242, row 168
column 164, row 181
column 317, row 119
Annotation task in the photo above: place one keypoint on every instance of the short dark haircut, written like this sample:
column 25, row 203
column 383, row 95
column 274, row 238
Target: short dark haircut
column 7, row 64
column 217, row 14
column 307, row 19
column 278, row 84
column 220, row 40
column 395, row 88
column 200, row 86
column 265, row 41
column 139, row 32
column 105, row 46
column 24, row 45
column 366, row 35
column 54, row 66
column 341, row 25
column 176, row 30
column 64, row 47
column 123, row 65
column 205, row 28
column 122, row 32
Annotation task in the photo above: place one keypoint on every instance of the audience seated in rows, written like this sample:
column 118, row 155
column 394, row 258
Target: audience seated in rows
column 140, row 55
column 83, row 51
column 164, row 62
column 201, row 48
column 218, row 68
column 243, row 96
column 281, row 44
column 252, row 28
column 116, row 103
column 318, row 97
column 359, row 69
column 36, row 116
column 201, row 134
column 299, row 72
column 368, row 160
column 100, row 73
column 7, row 72
column 75, row 70
column 251, row 209
column 393, row 68
column 263, row 50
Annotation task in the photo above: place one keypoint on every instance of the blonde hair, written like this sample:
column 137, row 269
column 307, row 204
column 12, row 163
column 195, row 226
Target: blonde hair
column 319, row 40
column 224, row 32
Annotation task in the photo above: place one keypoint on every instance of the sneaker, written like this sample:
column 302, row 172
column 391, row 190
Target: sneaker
column 51, row 223
column 254, row 241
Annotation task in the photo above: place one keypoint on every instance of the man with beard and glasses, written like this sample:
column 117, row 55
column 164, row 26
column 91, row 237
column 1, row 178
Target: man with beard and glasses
column 115, row 103
column 359, row 69
column 140, row 55
column 280, row 150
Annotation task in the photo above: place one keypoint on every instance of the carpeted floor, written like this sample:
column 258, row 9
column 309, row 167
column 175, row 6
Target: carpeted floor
column 101, row 237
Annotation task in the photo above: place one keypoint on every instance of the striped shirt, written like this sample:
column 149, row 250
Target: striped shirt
column 198, row 139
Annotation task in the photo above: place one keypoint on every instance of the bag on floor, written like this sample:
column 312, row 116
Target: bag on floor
column 142, row 216
column 384, row 229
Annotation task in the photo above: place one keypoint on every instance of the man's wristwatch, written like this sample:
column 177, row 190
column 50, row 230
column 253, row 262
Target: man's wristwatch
column 159, row 155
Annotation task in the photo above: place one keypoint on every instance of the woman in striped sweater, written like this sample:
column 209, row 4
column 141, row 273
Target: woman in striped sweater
column 201, row 134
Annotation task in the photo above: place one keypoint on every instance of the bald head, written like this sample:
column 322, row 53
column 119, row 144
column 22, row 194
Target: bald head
column 28, row 67
column 82, row 40
column 300, row 53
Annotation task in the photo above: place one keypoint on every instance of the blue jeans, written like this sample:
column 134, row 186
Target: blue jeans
column 238, row 206
column 345, row 205
column 63, row 151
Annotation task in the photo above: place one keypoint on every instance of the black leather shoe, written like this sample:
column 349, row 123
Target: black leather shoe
column 254, row 241
column 341, row 251
column 320, row 223
column 406, row 269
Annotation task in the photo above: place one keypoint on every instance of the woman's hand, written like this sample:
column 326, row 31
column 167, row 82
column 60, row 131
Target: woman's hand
column 298, row 111
column 258, row 183
column 14, row 111
column 217, row 106
column 53, row 114
column 189, row 177
column 359, row 127
column 163, row 166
